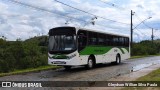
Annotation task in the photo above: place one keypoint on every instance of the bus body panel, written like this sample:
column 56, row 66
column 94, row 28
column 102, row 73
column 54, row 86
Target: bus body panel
column 111, row 56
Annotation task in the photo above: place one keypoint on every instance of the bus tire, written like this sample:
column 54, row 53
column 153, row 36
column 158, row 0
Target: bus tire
column 118, row 59
column 90, row 63
column 67, row 67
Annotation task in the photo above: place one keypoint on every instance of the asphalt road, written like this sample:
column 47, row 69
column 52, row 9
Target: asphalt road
column 101, row 72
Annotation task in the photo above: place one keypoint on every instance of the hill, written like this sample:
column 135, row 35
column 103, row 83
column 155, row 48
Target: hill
column 19, row 54
column 41, row 40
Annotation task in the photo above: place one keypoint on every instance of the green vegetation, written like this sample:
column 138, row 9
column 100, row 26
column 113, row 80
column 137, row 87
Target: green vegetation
column 144, row 48
column 17, row 55
column 142, row 56
column 153, row 76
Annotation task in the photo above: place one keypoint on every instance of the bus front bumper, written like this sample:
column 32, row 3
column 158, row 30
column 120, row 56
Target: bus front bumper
column 64, row 62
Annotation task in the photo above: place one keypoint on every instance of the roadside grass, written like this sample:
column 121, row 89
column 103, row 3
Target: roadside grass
column 142, row 56
column 24, row 71
column 153, row 76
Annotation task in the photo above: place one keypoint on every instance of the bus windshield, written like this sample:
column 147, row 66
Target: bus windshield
column 61, row 43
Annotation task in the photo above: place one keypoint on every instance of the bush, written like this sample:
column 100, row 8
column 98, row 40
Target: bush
column 22, row 54
column 145, row 48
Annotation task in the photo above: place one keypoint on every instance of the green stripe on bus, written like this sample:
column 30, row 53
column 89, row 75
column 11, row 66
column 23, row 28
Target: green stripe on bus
column 127, row 48
column 60, row 57
column 97, row 50
column 122, row 50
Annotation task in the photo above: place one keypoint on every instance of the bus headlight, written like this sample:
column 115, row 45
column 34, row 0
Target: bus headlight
column 50, row 57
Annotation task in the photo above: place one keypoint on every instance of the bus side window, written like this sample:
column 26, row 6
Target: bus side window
column 92, row 38
column 82, row 40
column 101, row 39
column 109, row 40
column 127, row 43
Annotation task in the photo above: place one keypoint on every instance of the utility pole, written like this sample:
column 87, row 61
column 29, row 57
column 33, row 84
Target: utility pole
column 152, row 36
column 131, row 33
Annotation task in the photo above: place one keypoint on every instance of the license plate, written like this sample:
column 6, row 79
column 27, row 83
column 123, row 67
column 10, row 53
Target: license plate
column 59, row 62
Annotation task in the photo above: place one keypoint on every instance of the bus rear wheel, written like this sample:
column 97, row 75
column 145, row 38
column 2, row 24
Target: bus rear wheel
column 118, row 59
column 90, row 63
column 67, row 67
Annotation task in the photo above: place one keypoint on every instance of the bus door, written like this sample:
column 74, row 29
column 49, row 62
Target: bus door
column 82, row 40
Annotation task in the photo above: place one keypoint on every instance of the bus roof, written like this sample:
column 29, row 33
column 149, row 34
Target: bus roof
column 99, row 31
column 92, row 30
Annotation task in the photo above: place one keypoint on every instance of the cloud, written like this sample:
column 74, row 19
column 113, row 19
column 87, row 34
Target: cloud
column 19, row 21
column 3, row 7
column 140, row 6
column 76, row 1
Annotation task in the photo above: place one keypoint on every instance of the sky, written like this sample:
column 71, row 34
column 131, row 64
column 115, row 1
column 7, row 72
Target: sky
column 114, row 16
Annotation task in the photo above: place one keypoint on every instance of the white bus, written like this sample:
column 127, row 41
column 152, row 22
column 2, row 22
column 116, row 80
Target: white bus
column 71, row 46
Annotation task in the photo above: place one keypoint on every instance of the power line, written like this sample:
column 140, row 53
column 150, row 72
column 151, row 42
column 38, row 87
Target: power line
column 142, row 21
column 114, row 5
column 42, row 9
column 146, row 34
column 121, row 9
column 157, row 37
column 155, row 34
column 90, row 13
column 146, row 25
column 141, row 32
column 46, row 10
column 140, row 36
column 111, row 4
